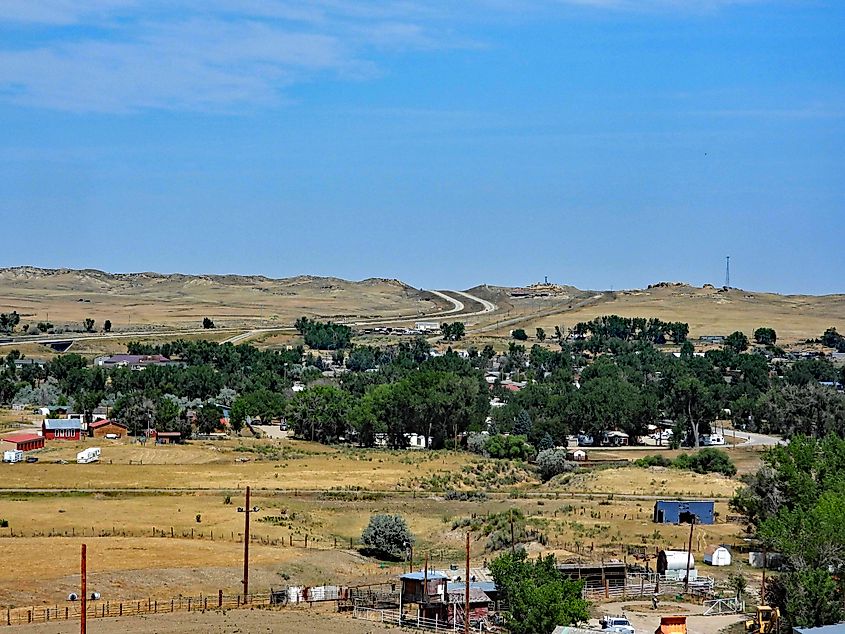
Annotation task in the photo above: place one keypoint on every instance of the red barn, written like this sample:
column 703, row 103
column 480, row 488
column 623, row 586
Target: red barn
column 103, row 428
column 21, row 442
column 62, row 429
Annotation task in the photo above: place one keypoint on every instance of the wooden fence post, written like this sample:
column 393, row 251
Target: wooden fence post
column 220, row 598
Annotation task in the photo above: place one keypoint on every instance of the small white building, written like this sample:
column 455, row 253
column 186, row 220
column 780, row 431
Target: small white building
column 717, row 556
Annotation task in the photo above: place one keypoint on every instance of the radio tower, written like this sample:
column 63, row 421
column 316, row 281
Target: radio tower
column 728, row 271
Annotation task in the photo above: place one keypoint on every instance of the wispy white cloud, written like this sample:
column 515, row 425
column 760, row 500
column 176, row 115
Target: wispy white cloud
column 127, row 55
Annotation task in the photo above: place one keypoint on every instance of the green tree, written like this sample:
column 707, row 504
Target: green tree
column 513, row 447
column 89, row 324
column 687, row 350
column 539, row 599
column 541, row 334
column 453, row 332
column 207, row 323
column 387, row 536
column 135, row 410
column 765, row 336
column 796, row 502
column 8, row 321
column 107, row 325
column 519, row 334
column 737, row 341
column 693, row 403
column 320, row 413
column 208, row 418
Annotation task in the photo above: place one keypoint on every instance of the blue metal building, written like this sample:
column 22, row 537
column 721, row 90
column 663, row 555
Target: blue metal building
column 683, row 511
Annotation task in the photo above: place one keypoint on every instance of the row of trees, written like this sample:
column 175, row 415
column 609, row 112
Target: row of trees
column 401, row 389
column 9, row 321
column 323, row 335
column 630, row 328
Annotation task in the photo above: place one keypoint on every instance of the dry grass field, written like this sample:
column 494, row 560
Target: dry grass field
column 149, row 541
column 143, row 300
column 707, row 310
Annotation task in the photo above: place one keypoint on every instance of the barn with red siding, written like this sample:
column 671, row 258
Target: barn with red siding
column 61, row 429
column 21, row 442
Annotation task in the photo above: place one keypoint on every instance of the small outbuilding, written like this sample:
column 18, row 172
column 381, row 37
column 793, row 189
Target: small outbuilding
column 576, row 454
column 684, row 511
column 717, row 556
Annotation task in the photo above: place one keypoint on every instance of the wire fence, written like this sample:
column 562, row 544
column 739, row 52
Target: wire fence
column 72, row 610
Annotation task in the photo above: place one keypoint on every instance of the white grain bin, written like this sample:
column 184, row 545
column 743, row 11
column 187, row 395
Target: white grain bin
column 717, row 556
column 672, row 564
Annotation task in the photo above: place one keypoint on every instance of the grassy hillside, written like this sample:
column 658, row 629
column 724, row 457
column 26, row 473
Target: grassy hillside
column 66, row 297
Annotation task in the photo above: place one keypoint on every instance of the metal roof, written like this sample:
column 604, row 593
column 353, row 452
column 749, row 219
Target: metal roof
column 484, row 586
column 62, row 423
column 838, row 628
column 21, row 437
column 433, row 575
column 475, row 596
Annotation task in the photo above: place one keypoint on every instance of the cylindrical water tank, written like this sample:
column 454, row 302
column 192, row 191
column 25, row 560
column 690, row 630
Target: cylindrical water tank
column 673, row 560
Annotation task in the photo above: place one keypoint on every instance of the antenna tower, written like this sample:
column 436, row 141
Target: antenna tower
column 728, row 271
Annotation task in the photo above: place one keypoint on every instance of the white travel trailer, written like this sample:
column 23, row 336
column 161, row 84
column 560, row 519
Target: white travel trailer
column 88, row 456
column 13, row 455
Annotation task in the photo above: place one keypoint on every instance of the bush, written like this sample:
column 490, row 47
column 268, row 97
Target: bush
column 653, row 461
column 552, row 462
column 500, row 446
column 476, row 443
column 519, row 334
column 387, row 535
column 706, row 461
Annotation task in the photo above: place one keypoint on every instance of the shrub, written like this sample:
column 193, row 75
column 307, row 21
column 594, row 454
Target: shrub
column 515, row 446
column 707, row 460
column 552, row 462
column 387, row 535
column 653, row 461
column 476, row 443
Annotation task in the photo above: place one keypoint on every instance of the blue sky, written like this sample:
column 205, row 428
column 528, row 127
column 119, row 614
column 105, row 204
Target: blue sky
column 604, row 143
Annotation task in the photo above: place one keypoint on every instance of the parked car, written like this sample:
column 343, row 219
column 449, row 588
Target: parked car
column 31, row 459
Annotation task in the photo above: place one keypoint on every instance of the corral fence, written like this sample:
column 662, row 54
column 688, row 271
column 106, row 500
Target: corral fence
column 649, row 584
column 392, row 617
column 105, row 609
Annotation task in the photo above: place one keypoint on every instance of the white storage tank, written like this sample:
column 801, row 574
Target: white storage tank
column 672, row 564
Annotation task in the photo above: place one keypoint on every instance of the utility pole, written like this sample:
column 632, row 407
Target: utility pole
column 689, row 553
column 728, row 271
column 83, row 569
column 763, row 582
column 513, row 542
column 466, row 593
column 246, row 548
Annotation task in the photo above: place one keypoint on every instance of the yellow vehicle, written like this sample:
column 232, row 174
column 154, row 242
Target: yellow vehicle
column 765, row 621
